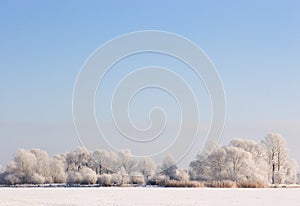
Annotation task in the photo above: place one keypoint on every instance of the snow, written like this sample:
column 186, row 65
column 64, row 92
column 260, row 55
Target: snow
column 148, row 196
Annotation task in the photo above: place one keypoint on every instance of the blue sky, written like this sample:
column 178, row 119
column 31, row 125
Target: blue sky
column 43, row 44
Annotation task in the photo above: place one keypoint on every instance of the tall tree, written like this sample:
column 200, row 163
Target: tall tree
column 277, row 156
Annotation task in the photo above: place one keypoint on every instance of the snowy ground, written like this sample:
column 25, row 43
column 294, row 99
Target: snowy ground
column 148, row 196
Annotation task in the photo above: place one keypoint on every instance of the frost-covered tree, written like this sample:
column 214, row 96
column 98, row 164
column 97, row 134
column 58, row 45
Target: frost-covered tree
column 258, row 158
column 88, row 176
column 2, row 176
column 242, row 167
column 104, row 162
column 73, row 177
column 112, row 164
column 84, row 176
column 242, row 161
column 126, row 161
column 99, row 160
column 34, row 167
column 247, row 160
column 137, row 178
column 57, row 171
column 233, row 162
column 116, row 179
column 104, row 180
column 78, row 159
column 255, row 148
column 147, row 167
column 22, row 170
column 277, row 154
column 42, row 166
column 169, row 167
column 199, row 168
column 125, row 176
column 238, row 163
column 158, row 179
column 216, row 163
column 291, row 169
column 298, row 178
column 182, row 175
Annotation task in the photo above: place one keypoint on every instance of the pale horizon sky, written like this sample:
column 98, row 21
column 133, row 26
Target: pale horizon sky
column 255, row 47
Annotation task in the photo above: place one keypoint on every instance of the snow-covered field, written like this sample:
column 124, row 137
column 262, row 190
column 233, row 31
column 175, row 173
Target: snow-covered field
column 148, row 196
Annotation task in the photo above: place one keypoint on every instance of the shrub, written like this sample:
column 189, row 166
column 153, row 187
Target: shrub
column 73, row 178
column 151, row 181
column 37, row 179
column 84, row 176
column 175, row 183
column 221, row 184
column 104, row 180
column 137, row 178
column 182, row 175
column 12, row 179
column 88, row 176
column 251, row 184
column 158, row 180
column 116, row 179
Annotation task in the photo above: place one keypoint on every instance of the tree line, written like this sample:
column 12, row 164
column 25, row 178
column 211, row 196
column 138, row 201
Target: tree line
column 265, row 162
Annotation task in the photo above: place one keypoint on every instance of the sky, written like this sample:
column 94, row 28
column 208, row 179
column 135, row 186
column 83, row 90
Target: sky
column 254, row 45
